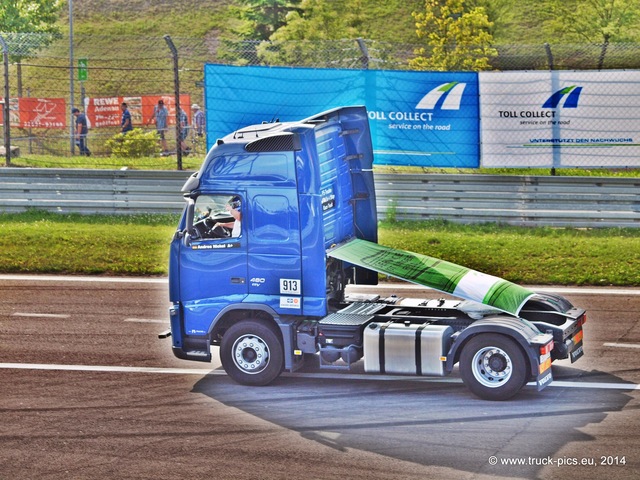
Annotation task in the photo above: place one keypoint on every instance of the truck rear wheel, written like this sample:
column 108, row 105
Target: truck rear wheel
column 251, row 353
column 493, row 367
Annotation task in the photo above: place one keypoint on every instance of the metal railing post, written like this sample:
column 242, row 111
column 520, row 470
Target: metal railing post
column 176, row 86
column 5, row 111
column 365, row 53
column 547, row 49
column 72, row 136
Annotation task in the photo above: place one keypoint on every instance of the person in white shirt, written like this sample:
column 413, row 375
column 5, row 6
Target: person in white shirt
column 234, row 207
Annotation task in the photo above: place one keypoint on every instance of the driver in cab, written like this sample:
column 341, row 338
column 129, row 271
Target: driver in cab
column 223, row 229
column 234, row 208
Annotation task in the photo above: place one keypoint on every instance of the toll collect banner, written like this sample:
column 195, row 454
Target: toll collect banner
column 416, row 118
column 437, row 274
column 560, row 119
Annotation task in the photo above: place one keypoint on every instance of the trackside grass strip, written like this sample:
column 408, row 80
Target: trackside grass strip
column 42, row 242
column 541, row 255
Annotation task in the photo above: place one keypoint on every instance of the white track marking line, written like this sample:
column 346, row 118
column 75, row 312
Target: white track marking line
column 64, row 315
column 40, row 315
column 85, row 278
column 398, row 286
column 594, row 385
column 329, row 376
column 146, row 320
column 622, row 345
column 106, row 368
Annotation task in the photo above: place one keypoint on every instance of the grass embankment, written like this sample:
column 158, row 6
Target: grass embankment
column 191, row 162
column 39, row 242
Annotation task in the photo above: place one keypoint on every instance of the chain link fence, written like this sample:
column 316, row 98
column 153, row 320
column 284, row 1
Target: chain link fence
column 57, row 72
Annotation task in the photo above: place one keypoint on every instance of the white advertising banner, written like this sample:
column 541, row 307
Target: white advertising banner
column 560, row 119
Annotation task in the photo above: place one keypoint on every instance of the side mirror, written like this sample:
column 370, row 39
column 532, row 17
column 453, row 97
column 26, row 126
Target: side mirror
column 188, row 228
column 186, row 240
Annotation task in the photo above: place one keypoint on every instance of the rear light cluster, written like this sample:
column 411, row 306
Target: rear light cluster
column 582, row 320
column 546, row 349
column 577, row 338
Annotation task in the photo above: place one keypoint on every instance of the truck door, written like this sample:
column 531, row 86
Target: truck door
column 213, row 259
column 275, row 271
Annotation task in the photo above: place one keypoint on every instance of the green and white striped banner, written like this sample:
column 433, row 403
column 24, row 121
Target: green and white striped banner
column 434, row 273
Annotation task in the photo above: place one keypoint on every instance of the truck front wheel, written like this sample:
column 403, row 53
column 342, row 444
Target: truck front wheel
column 493, row 367
column 251, row 353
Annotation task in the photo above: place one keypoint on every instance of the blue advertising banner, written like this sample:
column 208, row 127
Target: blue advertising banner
column 426, row 119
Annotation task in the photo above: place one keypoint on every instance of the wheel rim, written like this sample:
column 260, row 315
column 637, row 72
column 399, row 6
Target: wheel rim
column 492, row 367
column 250, row 354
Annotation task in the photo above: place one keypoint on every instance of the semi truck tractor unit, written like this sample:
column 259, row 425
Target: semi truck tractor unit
column 281, row 219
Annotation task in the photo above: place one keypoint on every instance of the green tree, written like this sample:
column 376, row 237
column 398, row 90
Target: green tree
column 302, row 40
column 593, row 21
column 262, row 18
column 458, row 37
column 32, row 16
column 27, row 26
column 323, row 20
column 598, row 22
column 508, row 21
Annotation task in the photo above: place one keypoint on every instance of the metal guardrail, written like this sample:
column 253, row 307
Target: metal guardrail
column 91, row 191
column 515, row 200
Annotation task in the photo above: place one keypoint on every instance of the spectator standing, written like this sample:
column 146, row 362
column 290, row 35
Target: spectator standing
column 125, row 122
column 82, row 130
column 198, row 120
column 160, row 115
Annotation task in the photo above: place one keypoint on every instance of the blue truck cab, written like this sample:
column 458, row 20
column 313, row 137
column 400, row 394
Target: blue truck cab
column 299, row 187
column 250, row 272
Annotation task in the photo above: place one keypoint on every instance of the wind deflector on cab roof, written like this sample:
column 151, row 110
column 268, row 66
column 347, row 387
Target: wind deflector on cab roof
column 284, row 142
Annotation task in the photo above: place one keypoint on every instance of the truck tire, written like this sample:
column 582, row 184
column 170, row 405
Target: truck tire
column 251, row 353
column 493, row 367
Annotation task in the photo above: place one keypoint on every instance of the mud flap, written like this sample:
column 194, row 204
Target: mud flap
column 544, row 378
column 577, row 349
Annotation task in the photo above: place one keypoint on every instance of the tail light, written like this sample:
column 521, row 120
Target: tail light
column 582, row 320
column 546, row 349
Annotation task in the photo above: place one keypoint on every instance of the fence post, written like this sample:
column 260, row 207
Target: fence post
column 603, row 53
column 5, row 110
column 365, row 53
column 176, row 87
column 72, row 136
column 547, row 48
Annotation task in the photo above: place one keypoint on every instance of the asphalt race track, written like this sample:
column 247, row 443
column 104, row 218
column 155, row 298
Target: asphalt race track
column 89, row 391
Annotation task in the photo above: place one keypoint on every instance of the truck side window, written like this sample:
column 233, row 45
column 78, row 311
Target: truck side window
column 217, row 216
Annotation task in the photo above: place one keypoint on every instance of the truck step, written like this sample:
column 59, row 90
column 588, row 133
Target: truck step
column 198, row 353
column 362, row 308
